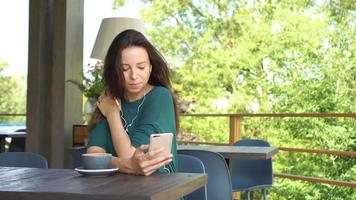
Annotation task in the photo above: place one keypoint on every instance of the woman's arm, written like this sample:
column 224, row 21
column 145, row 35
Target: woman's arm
column 158, row 117
column 139, row 163
column 111, row 108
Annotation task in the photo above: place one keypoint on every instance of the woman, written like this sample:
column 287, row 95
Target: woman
column 137, row 103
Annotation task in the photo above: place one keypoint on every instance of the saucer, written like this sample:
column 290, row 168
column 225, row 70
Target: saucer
column 96, row 172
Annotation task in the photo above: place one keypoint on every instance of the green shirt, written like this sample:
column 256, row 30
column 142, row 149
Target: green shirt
column 155, row 115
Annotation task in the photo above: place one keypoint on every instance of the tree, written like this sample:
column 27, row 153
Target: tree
column 12, row 98
column 267, row 56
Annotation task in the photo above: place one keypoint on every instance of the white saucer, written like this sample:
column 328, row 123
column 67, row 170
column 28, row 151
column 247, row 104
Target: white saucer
column 96, row 172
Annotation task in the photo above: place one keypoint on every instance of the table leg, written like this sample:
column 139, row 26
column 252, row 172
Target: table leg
column 2, row 144
column 235, row 195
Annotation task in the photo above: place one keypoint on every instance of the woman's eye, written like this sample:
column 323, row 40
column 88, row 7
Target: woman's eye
column 124, row 68
column 142, row 67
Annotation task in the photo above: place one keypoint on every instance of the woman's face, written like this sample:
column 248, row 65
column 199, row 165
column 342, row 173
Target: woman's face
column 137, row 69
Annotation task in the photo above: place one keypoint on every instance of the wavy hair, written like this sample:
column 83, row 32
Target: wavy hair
column 113, row 75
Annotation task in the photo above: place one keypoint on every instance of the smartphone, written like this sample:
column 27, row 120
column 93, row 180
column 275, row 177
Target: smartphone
column 161, row 140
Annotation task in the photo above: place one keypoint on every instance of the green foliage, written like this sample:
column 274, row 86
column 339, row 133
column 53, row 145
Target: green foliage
column 291, row 56
column 92, row 84
column 13, row 94
column 118, row 3
column 209, row 133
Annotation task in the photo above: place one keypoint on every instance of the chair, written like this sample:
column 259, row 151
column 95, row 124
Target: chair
column 18, row 143
column 191, row 164
column 247, row 174
column 77, row 156
column 22, row 159
column 219, row 182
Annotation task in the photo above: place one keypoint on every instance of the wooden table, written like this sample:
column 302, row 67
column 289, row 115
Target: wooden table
column 237, row 152
column 58, row 184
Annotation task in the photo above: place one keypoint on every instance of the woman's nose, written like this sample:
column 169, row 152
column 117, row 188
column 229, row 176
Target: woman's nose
column 133, row 74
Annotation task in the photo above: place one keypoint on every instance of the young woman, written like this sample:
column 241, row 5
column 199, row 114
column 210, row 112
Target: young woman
column 138, row 102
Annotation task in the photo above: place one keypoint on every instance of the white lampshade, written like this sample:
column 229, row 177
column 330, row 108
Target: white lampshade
column 109, row 28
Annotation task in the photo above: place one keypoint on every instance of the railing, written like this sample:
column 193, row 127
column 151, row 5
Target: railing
column 12, row 115
column 235, row 131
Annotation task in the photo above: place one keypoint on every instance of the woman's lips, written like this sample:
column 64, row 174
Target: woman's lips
column 135, row 85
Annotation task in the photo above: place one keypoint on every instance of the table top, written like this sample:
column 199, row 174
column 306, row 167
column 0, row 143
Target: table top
column 32, row 183
column 12, row 133
column 237, row 152
column 10, row 129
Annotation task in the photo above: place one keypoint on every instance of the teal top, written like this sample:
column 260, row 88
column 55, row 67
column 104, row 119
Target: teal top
column 155, row 115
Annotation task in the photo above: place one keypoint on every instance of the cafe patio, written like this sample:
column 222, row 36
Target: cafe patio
column 54, row 127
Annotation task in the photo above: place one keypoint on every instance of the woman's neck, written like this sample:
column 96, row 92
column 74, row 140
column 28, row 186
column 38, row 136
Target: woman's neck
column 132, row 98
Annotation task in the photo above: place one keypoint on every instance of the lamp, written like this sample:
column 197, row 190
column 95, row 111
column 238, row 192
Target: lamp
column 108, row 30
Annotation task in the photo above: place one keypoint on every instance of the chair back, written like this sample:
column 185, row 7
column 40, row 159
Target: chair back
column 191, row 164
column 22, row 159
column 248, row 174
column 219, row 182
column 77, row 156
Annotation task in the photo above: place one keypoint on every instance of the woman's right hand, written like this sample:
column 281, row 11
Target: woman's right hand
column 108, row 105
column 145, row 163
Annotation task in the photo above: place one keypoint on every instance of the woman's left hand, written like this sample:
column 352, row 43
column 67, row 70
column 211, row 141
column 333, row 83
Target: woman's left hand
column 108, row 105
column 142, row 163
column 148, row 163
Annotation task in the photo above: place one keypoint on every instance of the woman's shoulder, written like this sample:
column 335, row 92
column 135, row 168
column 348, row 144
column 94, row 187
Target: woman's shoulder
column 159, row 91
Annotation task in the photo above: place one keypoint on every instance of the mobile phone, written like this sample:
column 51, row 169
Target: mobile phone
column 161, row 140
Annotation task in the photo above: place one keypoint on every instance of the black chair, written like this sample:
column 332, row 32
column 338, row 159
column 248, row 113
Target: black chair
column 219, row 182
column 191, row 164
column 77, row 156
column 18, row 141
column 17, row 144
column 248, row 174
column 22, row 159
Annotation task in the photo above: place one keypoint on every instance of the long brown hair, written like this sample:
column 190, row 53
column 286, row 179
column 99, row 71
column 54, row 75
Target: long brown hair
column 114, row 77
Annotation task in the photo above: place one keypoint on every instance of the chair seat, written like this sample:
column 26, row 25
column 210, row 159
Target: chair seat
column 247, row 174
column 245, row 182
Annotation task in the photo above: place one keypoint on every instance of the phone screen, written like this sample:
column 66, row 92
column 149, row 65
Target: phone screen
column 161, row 140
